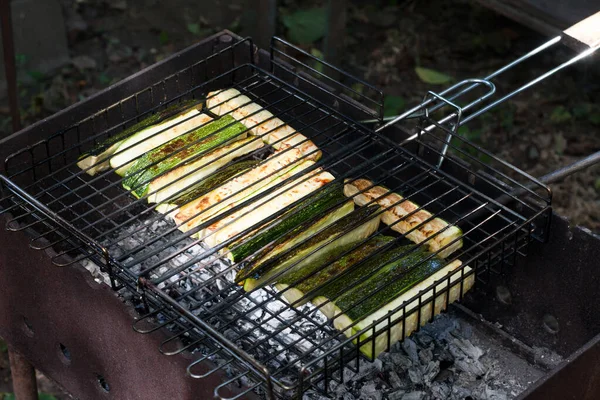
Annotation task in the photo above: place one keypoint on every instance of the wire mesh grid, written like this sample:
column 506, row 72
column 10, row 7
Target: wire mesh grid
column 258, row 337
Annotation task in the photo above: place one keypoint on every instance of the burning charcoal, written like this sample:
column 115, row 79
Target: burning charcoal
column 430, row 371
column 424, row 339
column 401, row 361
column 415, row 375
column 418, row 395
column 397, row 395
column 396, row 382
column 370, row 392
column 467, row 348
column 426, row 355
column 410, row 348
column 440, row 391
column 368, row 370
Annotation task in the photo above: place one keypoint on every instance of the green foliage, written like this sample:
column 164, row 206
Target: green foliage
column 20, row 60
column 104, row 79
column 3, row 347
column 595, row 118
column 306, row 26
column 235, row 25
column 36, row 75
column 431, row 76
column 46, row 396
column 393, row 105
column 597, row 185
column 194, row 28
column 560, row 115
column 163, row 38
column 317, row 53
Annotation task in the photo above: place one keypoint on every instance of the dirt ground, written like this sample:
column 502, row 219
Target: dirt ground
column 551, row 125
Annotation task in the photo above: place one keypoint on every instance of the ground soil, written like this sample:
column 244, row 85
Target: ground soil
column 549, row 126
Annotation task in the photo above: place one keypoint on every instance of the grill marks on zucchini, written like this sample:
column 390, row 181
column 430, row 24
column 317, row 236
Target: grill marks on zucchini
column 207, row 184
column 406, row 319
column 328, row 280
column 261, row 122
column 178, row 150
column 313, row 206
column 97, row 159
column 172, row 181
column 407, row 218
column 348, row 230
column 276, row 168
column 266, row 206
column 144, row 141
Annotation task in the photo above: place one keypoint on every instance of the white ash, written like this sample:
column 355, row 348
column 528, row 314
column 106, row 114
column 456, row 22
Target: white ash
column 447, row 359
column 291, row 345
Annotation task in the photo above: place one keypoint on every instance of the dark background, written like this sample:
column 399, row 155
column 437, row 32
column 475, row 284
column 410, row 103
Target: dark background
column 551, row 125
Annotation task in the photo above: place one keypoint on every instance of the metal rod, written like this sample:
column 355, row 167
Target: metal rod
column 562, row 173
column 23, row 377
column 10, row 68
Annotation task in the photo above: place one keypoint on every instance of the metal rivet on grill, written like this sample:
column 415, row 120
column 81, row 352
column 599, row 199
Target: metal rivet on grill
column 103, row 384
column 27, row 327
column 503, row 295
column 65, row 354
column 551, row 324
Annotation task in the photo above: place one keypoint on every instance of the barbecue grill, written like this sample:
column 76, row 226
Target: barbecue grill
column 185, row 294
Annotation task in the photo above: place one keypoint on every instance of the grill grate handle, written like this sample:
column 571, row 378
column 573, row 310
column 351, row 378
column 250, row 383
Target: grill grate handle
column 586, row 32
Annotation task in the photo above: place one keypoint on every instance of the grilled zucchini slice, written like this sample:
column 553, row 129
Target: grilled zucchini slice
column 318, row 203
column 326, row 280
column 278, row 167
column 372, row 350
column 98, row 158
column 331, row 240
column 396, row 215
column 207, row 184
column 142, row 142
column 173, row 181
column 252, row 214
column 176, row 151
column 261, row 122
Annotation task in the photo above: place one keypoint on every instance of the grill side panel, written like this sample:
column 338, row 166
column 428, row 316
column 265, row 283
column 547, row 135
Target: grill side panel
column 65, row 306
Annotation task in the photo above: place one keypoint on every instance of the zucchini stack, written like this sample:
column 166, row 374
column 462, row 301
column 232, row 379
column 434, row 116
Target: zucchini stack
column 284, row 220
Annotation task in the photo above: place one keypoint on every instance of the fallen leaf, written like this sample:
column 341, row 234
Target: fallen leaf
column 431, row 76
column 306, row 26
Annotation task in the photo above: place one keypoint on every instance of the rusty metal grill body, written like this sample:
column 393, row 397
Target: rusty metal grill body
column 82, row 219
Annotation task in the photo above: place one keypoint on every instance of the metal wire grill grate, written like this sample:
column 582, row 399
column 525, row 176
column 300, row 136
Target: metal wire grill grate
column 189, row 290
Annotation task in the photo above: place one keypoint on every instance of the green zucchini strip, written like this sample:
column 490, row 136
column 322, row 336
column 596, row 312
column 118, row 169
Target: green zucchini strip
column 97, row 159
column 205, row 185
column 261, row 122
column 178, row 150
column 317, row 204
column 353, row 312
column 260, row 210
column 172, row 181
column 406, row 217
column 142, row 142
column 276, row 168
column 349, row 230
column 327, row 279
